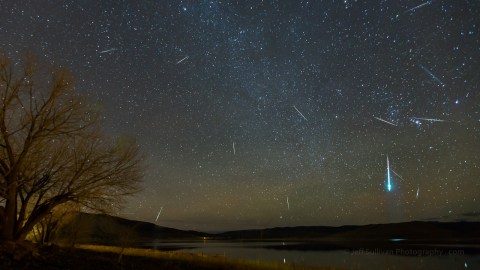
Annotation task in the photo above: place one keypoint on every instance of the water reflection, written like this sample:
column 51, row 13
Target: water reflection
column 405, row 256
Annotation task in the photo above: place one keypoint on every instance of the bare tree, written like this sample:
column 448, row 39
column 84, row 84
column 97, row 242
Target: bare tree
column 52, row 150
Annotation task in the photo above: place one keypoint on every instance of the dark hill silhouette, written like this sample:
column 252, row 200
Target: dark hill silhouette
column 105, row 229
column 415, row 230
column 300, row 232
column 111, row 230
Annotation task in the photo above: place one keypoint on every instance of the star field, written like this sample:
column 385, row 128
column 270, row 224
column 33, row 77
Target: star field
column 239, row 105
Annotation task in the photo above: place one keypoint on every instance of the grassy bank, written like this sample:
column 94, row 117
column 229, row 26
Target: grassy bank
column 108, row 257
column 181, row 260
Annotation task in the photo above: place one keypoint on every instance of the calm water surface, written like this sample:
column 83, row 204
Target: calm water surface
column 406, row 257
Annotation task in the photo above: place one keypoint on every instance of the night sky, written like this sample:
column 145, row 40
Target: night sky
column 257, row 114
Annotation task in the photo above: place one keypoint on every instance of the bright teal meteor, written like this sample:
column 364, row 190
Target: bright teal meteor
column 389, row 183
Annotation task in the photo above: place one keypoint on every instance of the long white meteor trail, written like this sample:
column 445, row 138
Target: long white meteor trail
column 183, row 59
column 233, row 148
column 418, row 191
column 435, row 78
column 385, row 121
column 300, row 113
column 389, row 184
column 419, row 6
column 159, row 212
column 109, row 50
column 288, row 204
column 429, row 119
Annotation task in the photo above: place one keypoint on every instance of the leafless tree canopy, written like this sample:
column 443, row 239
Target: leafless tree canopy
column 52, row 150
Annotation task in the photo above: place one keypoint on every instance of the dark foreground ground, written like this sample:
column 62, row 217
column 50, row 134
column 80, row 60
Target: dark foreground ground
column 103, row 258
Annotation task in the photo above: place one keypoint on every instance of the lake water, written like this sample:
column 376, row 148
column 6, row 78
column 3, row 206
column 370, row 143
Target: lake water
column 403, row 257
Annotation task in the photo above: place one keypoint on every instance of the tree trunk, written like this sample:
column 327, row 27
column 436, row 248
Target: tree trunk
column 9, row 221
column 2, row 219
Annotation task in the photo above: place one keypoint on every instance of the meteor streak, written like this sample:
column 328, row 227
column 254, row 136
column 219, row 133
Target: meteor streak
column 398, row 175
column 288, row 204
column 159, row 212
column 429, row 119
column 109, row 50
column 418, row 191
column 419, row 6
column 389, row 184
column 233, row 148
column 300, row 113
column 435, row 78
column 385, row 121
column 183, row 59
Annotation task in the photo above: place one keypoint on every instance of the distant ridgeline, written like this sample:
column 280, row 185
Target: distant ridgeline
column 109, row 230
column 83, row 228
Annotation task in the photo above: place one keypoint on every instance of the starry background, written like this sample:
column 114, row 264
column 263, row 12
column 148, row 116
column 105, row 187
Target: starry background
column 257, row 114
